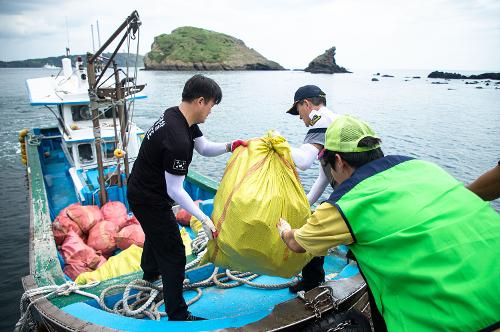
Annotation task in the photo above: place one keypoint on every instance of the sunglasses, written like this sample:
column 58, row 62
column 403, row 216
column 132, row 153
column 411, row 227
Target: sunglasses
column 322, row 157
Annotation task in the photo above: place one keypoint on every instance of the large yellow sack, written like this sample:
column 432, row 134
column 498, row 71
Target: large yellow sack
column 260, row 185
column 127, row 261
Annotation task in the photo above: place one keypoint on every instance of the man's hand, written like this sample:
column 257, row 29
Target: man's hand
column 238, row 142
column 283, row 226
column 209, row 228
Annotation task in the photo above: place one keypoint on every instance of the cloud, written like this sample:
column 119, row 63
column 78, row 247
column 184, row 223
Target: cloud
column 8, row 7
column 367, row 34
column 20, row 26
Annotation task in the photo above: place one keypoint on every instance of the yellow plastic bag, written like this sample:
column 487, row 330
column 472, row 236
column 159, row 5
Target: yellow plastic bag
column 260, row 185
column 127, row 261
column 195, row 224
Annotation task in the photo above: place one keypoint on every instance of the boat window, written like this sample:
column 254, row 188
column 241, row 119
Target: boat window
column 81, row 112
column 85, row 154
column 108, row 150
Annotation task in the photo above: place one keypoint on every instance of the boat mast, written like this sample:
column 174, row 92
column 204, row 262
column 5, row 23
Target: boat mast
column 67, row 36
column 92, row 31
column 123, row 119
column 98, row 34
column 97, row 98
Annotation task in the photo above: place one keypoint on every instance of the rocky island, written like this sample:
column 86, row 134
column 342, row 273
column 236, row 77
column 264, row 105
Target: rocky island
column 325, row 63
column 485, row 76
column 190, row 48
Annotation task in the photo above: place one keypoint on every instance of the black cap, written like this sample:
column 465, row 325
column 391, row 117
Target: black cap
column 304, row 92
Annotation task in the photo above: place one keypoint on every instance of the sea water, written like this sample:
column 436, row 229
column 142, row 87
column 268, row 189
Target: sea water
column 454, row 125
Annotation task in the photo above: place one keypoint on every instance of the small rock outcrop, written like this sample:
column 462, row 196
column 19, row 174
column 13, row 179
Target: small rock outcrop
column 190, row 48
column 325, row 64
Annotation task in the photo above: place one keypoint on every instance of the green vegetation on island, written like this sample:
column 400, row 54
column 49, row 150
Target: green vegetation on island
column 190, row 48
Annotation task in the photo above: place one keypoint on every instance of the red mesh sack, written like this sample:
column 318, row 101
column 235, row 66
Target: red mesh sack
column 102, row 237
column 183, row 217
column 128, row 235
column 78, row 256
column 61, row 227
column 115, row 212
column 132, row 220
column 85, row 216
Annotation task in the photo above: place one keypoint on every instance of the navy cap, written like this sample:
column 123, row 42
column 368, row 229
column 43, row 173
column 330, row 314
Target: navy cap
column 304, row 92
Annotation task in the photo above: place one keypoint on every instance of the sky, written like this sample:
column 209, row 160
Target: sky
column 368, row 34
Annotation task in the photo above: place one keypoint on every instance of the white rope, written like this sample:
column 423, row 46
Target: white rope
column 50, row 292
column 259, row 285
column 149, row 299
column 34, row 140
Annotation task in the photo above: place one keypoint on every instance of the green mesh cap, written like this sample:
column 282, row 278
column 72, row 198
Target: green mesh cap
column 344, row 134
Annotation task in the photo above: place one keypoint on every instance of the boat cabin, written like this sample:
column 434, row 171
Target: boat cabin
column 66, row 95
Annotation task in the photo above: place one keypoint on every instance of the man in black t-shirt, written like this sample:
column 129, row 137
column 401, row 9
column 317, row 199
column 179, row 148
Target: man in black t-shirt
column 156, row 182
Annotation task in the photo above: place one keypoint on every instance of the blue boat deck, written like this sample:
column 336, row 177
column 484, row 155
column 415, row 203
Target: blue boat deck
column 59, row 185
column 55, row 166
column 223, row 308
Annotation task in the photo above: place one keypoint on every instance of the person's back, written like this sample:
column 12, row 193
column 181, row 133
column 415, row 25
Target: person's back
column 427, row 246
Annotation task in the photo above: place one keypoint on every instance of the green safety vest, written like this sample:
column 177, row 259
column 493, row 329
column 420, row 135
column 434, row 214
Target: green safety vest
column 428, row 248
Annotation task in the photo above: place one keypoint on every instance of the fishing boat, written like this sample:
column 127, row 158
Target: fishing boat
column 86, row 158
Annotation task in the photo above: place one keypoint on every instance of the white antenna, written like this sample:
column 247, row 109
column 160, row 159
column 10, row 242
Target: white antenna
column 67, row 36
column 98, row 34
column 92, row 31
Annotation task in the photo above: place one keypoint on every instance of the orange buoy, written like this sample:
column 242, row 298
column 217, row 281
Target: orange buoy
column 119, row 153
column 22, row 143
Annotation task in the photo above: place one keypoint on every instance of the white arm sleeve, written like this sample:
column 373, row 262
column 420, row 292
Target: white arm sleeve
column 207, row 148
column 318, row 187
column 177, row 192
column 304, row 156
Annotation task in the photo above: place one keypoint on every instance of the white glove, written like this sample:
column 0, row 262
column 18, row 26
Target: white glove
column 209, row 228
column 283, row 226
